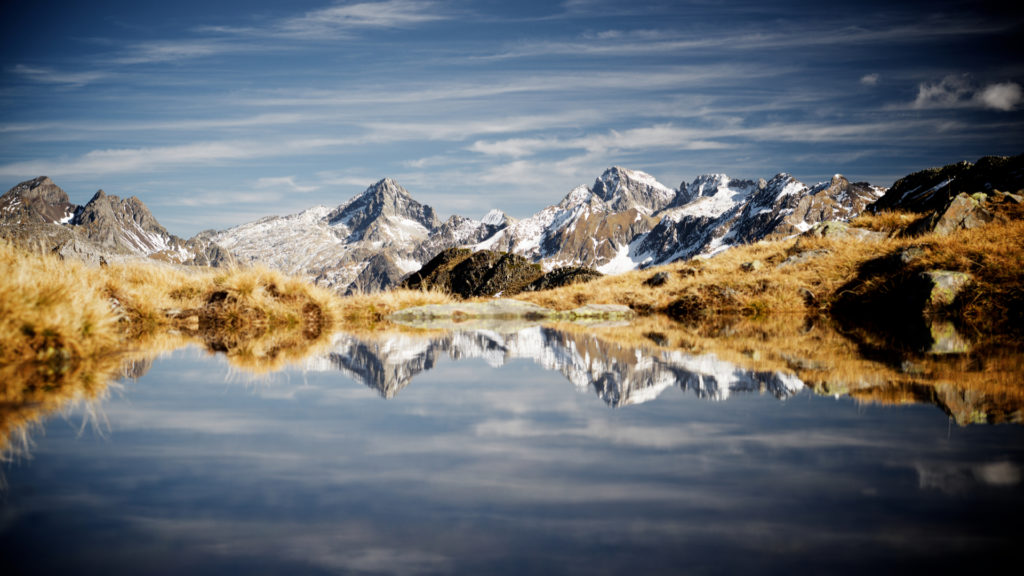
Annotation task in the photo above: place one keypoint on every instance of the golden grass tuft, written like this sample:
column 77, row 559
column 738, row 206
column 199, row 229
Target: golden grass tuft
column 362, row 312
column 890, row 222
column 65, row 328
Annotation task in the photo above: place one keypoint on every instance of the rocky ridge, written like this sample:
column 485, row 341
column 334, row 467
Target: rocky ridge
column 625, row 220
column 39, row 215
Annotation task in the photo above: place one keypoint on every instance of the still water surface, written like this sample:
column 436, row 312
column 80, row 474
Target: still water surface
column 486, row 453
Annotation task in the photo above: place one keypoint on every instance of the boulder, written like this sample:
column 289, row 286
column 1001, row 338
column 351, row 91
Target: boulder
column 658, row 279
column 841, row 230
column 963, row 212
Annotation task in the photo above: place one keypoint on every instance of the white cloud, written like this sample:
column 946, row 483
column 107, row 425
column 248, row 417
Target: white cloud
column 1004, row 96
column 870, row 79
column 952, row 91
column 957, row 91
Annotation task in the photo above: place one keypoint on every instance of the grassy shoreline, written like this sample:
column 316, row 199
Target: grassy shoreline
column 59, row 314
column 65, row 328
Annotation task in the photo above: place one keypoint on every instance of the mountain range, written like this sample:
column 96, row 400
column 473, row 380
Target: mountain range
column 625, row 220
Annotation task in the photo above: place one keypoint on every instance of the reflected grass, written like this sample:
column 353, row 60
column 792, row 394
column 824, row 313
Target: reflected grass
column 985, row 385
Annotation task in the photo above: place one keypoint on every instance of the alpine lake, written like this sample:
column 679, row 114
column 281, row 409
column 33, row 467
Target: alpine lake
column 515, row 448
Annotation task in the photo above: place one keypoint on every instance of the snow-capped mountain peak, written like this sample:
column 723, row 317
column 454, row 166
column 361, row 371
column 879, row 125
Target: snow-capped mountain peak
column 623, row 189
column 385, row 198
column 495, row 218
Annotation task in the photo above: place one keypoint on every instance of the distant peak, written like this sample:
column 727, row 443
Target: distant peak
column 495, row 217
column 387, row 186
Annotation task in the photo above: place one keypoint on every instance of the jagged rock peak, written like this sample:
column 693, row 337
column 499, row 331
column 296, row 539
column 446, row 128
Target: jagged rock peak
column 623, row 189
column 41, row 188
column 495, row 218
column 38, row 200
column 385, row 198
column 703, row 185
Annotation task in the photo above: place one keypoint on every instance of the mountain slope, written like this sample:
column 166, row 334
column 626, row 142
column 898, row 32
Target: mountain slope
column 366, row 243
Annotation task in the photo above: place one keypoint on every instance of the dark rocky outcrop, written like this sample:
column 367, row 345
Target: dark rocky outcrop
column 564, row 276
column 465, row 273
column 932, row 189
column 894, row 303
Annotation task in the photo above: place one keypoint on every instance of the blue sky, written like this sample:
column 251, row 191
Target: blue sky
column 217, row 112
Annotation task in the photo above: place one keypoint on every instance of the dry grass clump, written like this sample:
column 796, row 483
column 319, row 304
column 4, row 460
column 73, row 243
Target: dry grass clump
column 367, row 311
column 889, row 222
column 58, row 341
column 65, row 327
column 53, row 314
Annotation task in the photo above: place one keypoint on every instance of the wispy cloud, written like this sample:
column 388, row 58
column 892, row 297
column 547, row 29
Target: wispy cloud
column 958, row 91
column 658, row 136
column 728, row 39
column 286, row 183
column 50, row 76
column 342, row 20
column 159, row 51
column 136, row 160
column 1004, row 96
column 327, row 22
column 870, row 79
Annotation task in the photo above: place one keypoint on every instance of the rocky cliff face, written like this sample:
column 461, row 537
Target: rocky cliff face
column 37, row 214
column 123, row 226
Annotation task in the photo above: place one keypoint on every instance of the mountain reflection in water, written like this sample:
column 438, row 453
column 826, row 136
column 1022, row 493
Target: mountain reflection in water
column 726, row 453
column 618, row 373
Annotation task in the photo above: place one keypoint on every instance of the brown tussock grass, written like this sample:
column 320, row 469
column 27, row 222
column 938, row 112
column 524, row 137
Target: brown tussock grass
column 369, row 312
column 66, row 328
column 890, row 222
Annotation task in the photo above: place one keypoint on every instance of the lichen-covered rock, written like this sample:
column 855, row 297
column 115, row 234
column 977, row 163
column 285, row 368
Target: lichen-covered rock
column 963, row 212
column 940, row 288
